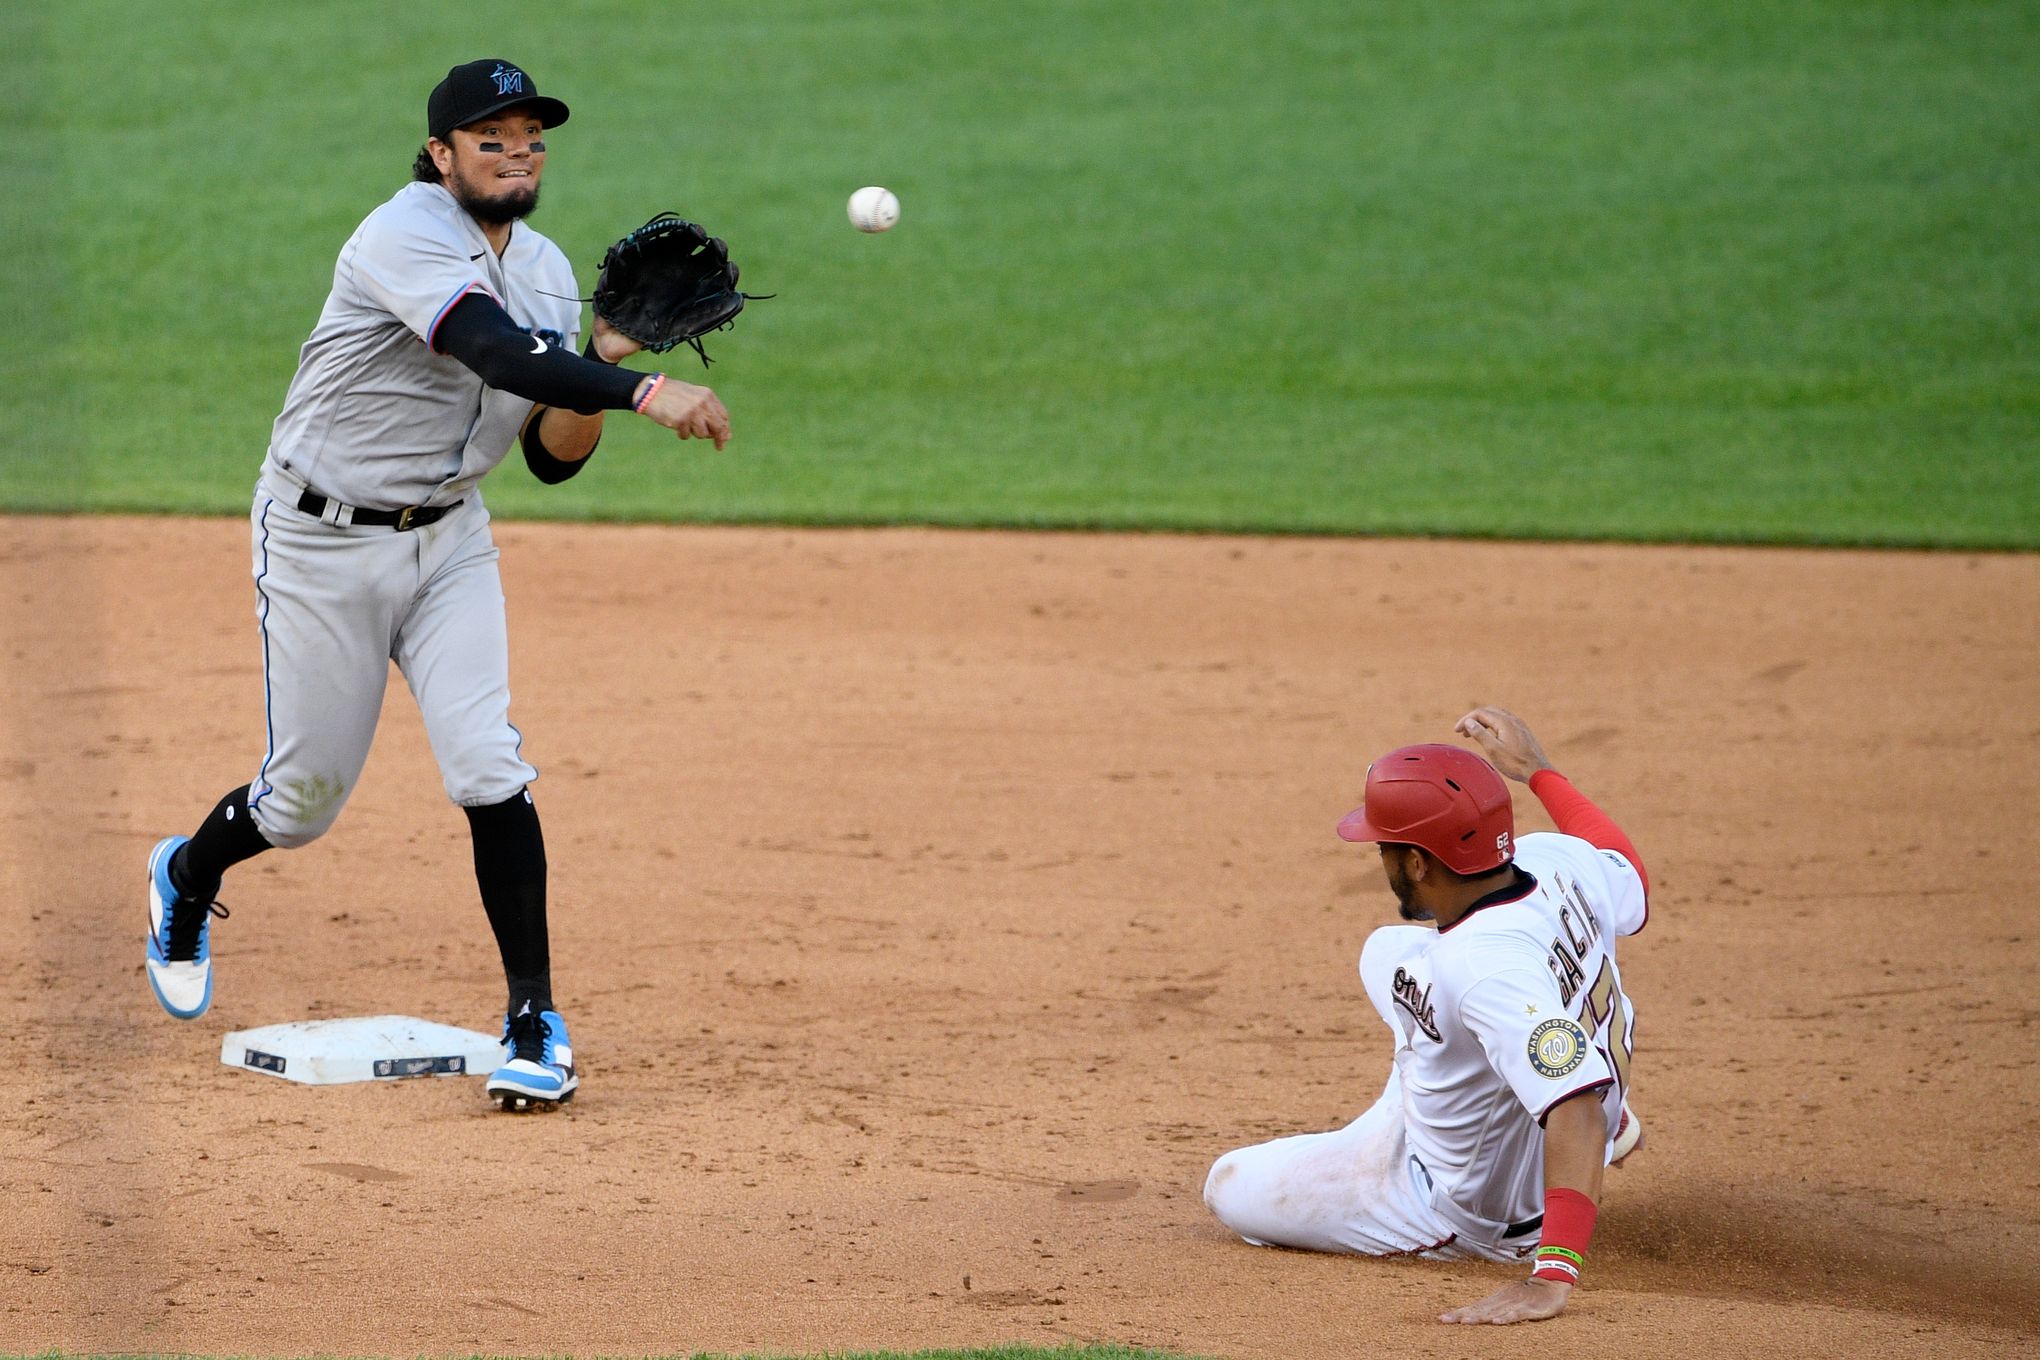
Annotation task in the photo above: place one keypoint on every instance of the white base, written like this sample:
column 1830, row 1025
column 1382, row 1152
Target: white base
column 367, row 1048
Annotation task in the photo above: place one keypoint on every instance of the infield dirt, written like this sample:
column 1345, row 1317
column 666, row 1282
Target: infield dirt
column 932, row 908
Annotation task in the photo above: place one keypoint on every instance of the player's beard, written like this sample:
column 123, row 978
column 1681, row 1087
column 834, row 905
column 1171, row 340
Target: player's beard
column 1405, row 893
column 509, row 204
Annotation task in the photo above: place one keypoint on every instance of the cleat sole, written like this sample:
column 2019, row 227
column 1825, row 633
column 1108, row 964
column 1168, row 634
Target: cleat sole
column 518, row 1102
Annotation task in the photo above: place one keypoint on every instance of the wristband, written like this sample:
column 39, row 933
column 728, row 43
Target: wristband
column 651, row 390
column 1568, row 1227
column 588, row 351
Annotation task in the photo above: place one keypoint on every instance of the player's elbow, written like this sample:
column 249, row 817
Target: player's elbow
column 546, row 465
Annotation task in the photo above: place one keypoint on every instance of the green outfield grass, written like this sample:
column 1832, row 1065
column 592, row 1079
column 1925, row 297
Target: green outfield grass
column 992, row 1353
column 1097, row 1352
column 1543, row 268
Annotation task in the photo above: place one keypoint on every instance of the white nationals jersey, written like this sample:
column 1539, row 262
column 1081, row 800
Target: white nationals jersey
column 375, row 417
column 1514, row 1007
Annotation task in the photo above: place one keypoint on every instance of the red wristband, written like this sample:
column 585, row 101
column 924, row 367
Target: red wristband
column 1568, row 1227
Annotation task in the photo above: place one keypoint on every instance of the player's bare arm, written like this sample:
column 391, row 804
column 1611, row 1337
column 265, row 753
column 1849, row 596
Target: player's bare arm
column 568, row 437
column 1506, row 740
column 484, row 337
column 1575, row 1139
column 690, row 411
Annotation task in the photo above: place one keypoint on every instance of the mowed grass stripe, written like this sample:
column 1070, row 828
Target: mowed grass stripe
column 1562, row 269
column 1014, row 1352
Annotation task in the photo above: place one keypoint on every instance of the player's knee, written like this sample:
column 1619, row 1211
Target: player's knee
column 1222, row 1190
column 1243, row 1196
column 293, row 815
column 286, row 833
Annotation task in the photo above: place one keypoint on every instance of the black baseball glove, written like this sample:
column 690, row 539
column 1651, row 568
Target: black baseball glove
column 669, row 283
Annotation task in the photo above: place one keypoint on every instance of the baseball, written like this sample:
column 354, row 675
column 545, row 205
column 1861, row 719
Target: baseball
column 874, row 209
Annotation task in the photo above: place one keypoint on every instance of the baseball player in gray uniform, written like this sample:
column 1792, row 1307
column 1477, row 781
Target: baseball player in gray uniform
column 451, row 332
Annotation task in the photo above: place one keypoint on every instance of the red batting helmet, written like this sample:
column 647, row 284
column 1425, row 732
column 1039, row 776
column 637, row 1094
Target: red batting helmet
column 1443, row 798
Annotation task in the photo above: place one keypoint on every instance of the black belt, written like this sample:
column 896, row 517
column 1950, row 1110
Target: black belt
column 410, row 517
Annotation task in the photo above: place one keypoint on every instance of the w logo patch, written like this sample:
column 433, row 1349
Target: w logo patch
column 509, row 80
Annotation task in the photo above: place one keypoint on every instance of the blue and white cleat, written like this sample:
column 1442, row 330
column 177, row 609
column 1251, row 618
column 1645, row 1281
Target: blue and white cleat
column 538, row 1068
column 180, row 954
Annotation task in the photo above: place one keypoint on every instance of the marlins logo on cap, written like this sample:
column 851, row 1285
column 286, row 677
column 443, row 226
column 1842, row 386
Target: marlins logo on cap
column 474, row 90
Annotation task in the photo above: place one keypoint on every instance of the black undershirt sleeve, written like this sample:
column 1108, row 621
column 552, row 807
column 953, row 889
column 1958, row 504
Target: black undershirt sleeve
column 548, row 469
column 480, row 334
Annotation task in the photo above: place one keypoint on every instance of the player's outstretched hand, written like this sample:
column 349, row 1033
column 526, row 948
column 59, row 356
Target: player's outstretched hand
column 1506, row 740
column 690, row 412
column 1522, row 1301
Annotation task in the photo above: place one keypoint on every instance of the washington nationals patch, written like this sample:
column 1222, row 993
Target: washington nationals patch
column 1557, row 1047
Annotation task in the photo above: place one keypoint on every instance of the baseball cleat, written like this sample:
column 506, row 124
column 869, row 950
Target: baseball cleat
column 538, row 1071
column 1628, row 1136
column 180, row 951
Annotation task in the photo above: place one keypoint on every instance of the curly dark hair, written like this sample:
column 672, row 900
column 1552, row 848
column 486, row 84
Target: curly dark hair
column 422, row 169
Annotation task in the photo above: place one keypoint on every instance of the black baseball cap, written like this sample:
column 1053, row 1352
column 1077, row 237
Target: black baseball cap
column 479, row 88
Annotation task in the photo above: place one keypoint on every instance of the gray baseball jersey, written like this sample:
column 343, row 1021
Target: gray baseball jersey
column 375, row 417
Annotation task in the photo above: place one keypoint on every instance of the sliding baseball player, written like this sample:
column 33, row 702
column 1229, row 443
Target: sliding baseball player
column 1513, row 1035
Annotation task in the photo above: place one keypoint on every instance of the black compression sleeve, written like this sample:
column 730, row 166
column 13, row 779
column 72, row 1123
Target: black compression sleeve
column 548, row 469
column 480, row 334
column 588, row 353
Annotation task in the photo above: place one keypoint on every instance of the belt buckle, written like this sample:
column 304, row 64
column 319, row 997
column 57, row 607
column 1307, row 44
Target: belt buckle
column 404, row 517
